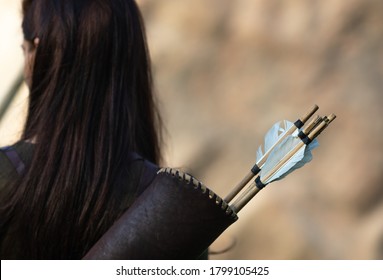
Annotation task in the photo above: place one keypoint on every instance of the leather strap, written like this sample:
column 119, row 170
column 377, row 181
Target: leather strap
column 14, row 158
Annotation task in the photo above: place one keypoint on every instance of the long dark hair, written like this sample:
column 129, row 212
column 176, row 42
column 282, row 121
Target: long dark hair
column 90, row 105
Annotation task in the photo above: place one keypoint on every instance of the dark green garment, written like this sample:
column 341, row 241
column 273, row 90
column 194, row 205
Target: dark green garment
column 8, row 172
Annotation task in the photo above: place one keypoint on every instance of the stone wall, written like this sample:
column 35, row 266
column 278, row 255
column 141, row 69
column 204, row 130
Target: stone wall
column 227, row 70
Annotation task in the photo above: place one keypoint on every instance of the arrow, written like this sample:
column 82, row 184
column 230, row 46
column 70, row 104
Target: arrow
column 273, row 138
column 292, row 153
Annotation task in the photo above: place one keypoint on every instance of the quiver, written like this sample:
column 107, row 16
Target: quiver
column 176, row 217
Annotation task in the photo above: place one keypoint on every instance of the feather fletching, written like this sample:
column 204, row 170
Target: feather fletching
column 300, row 158
column 275, row 133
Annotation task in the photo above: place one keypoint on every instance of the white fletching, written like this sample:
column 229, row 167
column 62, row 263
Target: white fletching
column 276, row 132
column 300, row 158
column 278, row 149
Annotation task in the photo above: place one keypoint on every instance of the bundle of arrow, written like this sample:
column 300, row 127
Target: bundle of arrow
column 287, row 147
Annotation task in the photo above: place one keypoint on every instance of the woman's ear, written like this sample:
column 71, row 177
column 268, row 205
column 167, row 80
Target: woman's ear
column 29, row 59
column 36, row 42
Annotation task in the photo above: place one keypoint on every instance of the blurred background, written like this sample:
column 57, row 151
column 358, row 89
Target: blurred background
column 225, row 72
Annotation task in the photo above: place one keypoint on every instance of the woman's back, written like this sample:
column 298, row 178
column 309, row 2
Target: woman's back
column 16, row 158
column 90, row 109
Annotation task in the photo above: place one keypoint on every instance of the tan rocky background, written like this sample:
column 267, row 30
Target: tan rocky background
column 225, row 71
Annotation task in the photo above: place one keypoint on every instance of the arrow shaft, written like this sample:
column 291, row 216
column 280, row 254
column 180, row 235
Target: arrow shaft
column 245, row 197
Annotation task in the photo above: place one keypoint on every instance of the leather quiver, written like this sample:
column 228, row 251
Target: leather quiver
column 176, row 217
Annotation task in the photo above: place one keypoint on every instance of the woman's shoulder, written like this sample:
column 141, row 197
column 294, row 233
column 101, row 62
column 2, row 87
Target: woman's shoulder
column 145, row 171
column 136, row 177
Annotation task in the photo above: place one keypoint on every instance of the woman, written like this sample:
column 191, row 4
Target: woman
column 91, row 113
